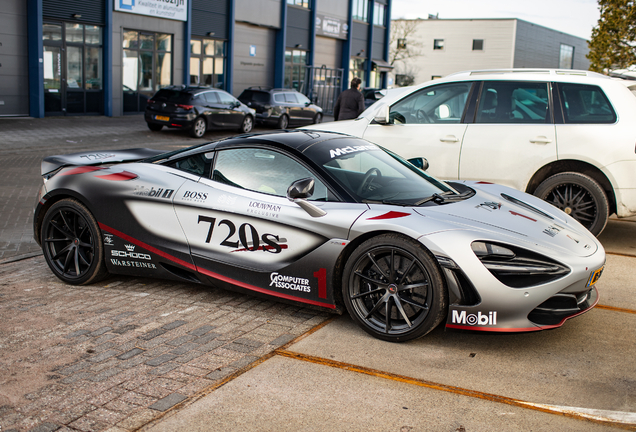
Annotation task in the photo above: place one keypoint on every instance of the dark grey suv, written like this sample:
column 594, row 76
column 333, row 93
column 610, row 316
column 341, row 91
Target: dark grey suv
column 281, row 107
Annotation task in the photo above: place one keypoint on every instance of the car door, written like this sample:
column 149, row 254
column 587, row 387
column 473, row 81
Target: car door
column 231, row 114
column 308, row 112
column 242, row 229
column 427, row 123
column 214, row 110
column 294, row 108
column 513, row 134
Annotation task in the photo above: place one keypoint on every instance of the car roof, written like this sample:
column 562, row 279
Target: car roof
column 191, row 89
column 270, row 90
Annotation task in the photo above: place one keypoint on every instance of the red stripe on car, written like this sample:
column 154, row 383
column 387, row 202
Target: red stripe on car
column 390, row 215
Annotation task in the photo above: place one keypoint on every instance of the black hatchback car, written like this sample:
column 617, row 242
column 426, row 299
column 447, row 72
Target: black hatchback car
column 197, row 109
column 281, row 107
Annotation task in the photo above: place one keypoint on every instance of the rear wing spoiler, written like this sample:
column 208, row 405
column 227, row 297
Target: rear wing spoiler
column 53, row 163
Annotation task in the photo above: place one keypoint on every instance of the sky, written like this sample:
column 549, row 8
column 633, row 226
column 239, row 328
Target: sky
column 575, row 17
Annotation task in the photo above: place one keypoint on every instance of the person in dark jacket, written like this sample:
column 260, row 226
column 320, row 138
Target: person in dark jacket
column 350, row 103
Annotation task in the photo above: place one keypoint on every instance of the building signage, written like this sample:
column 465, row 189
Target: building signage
column 329, row 26
column 171, row 9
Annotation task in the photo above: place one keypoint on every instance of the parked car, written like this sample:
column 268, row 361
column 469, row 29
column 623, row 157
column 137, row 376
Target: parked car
column 565, row 136
column 197, row 109
column 323, row 220
column 281, row 107
column 371, row 96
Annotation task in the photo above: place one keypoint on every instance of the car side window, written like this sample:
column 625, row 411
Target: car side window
column 265, row 171
column 211, row 97
column 438, row 104
column 194, row 164
column 302, row 98
column 280, row 97
column 291, row 98
column 226, row 98
column 513, row 102
column 585, row 104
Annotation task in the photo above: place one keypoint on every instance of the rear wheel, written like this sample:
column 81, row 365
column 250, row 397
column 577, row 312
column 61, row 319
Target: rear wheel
column 198, row 128
column 247, row 125
column 283, row 122
column 72, row 245
column 393, row 288
column 578, row 195
column 155, row 127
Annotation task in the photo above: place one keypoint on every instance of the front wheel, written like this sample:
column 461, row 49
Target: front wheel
column 578, row 195
column 247, row 125
column 72, row 245
column 198, row 128
column 393, row 288
column 318, row 118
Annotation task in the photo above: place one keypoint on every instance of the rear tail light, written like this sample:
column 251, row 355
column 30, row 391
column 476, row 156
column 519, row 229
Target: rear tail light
column 186, row 107
column 150, row 101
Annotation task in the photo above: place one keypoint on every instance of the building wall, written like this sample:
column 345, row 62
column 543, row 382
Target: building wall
column 261, row 12
column 328, row 52
column 457, row 54
column 208, row 17
column 127, row 21
column 538, row 46
column 14, row 64
column 334, row 8
column 258, row 69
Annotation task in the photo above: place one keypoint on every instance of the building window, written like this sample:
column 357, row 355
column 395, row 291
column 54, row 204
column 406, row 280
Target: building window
column 438, row 44
column 207, row 62
column 356, row 69
column 360, row 10
column 72, row 62
column 295, row 65
column 301, row 3
column 401, row 44
column 147, row 67
column 434, row 77
column 566, row 57
column 379, row 13
column 478, row 44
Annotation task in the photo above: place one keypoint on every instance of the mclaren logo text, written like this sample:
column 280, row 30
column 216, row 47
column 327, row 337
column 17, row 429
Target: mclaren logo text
column 345, row 150
column 474, row 320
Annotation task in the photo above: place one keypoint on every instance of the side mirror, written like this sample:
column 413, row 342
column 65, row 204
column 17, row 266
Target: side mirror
column 382, row 115
column 307, row 103
column 419, row 162
column 301, row 189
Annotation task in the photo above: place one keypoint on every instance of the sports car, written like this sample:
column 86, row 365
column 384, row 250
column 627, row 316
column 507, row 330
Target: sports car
column 324, row 220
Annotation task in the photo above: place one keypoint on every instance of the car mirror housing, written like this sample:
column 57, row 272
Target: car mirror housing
column 382, row 115
column 299, row 191
column 419, row 162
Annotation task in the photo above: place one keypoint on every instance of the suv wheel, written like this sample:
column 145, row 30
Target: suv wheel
column 578, row 195
column 247, row 125
column 198, row 128
column 283, row 122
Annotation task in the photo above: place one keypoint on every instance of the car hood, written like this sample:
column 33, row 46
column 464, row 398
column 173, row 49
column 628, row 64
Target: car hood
column 509, row 212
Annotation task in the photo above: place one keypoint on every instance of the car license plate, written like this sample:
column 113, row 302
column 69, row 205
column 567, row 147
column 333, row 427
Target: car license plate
column 594, row 277
column 162, row 118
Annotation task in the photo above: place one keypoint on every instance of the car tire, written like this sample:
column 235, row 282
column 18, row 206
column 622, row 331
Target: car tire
column 318, row 118
column 247, row 125
column 393, row 273
column 199, row 128
column 72, row 243
column 155, row 127
column 578, row 195
column 283, row 122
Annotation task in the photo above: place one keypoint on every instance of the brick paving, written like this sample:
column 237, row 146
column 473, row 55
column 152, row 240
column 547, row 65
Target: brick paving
column 115, row 355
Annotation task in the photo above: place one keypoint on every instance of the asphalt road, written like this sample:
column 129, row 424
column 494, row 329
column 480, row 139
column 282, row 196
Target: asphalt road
column 129, row 353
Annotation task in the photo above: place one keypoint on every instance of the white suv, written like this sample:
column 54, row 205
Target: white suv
column 566, row 136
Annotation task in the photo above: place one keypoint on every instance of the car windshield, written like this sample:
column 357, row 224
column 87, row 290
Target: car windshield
column 374, row 175
column 175, row 96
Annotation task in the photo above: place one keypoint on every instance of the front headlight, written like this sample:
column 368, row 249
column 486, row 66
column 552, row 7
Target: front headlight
column 516, row 267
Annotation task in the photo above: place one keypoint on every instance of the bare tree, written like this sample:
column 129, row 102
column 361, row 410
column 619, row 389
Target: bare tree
column 402, row 46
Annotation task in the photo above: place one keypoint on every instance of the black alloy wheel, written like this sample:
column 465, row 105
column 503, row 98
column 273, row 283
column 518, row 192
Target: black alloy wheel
column 71, row 242
column 578, row 195
column 199, row 128
column 283, row 122
column 393, row 288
